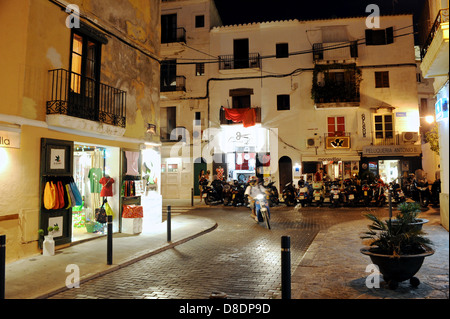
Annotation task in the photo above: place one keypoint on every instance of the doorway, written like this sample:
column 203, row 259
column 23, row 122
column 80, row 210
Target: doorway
column 240, row 52
column 389, row 170
column 285, row 171
column 199, row 164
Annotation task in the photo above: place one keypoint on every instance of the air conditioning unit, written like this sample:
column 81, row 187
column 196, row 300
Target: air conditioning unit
column 410, row 137
column 312, row 142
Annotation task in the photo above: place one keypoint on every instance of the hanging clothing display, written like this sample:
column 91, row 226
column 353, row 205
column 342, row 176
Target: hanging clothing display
column 132, row 163
column 96, row 171
column 107, row 183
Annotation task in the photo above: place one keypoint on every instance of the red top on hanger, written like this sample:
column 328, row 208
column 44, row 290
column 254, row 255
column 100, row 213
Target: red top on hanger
column 107, row 186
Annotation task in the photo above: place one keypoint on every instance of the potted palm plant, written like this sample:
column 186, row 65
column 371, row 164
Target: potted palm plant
column 409, row 212
column 398, row 247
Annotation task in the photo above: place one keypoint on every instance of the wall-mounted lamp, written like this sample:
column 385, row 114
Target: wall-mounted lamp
column 151, row 128
column 429, row 119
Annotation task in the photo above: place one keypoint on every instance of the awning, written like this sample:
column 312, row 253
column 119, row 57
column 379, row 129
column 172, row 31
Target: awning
column 334, row 158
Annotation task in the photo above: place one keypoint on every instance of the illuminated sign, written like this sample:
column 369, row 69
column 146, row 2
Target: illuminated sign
column 10, row 139
column 337, row 142
column 441, row 108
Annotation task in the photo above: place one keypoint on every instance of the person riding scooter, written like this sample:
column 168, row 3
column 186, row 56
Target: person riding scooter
column 254, row 188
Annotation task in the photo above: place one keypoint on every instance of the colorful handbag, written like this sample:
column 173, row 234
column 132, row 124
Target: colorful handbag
column 132, row 211
column 100, row 215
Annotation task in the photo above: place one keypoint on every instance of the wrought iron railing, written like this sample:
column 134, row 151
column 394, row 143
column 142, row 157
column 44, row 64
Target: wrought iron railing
column 442, row 17
column 335, row 51
column 176, row 35
column 230, row 62
column 386, row 138
column 79, row 96
column 179, row 84
column 338, row 93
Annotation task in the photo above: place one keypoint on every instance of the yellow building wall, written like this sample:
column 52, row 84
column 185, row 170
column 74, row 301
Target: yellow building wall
column 37, row 40
column 20, row 188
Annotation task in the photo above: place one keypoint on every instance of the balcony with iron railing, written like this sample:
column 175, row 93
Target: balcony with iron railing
column 177, row 35
column 230, row 62
column 79, row 96
column 177, row 85
column 434, row 51
column 337, row 51
column 442, row 17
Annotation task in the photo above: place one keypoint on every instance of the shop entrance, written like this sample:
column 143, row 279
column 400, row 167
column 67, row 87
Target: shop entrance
column 94, row 166
column 199, row 165
column 389, row 170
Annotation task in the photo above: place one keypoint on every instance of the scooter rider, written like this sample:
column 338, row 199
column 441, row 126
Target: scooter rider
column 254, row 188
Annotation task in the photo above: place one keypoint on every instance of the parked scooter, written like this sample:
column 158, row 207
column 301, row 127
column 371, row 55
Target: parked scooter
column 435, row 191
column 238, row 197
column 288, row 194
column 379, row 192
column 318, row 192
column 335, row 194
column 327, row 193
column 213, row 193
column 397, row 193
column 408, row 186
column 227, row 194
column 304, row 194
column 351, row 193
column 272, row 190
column 423, row 193
column 366, row 194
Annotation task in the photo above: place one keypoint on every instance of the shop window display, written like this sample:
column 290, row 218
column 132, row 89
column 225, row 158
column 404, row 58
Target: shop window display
column 89, row 167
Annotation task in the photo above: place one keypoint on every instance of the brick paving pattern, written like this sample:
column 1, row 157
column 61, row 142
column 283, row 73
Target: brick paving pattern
column 243, row 260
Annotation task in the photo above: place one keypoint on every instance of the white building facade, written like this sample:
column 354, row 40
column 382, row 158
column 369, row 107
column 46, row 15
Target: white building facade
column 185, row 37
column 281, row 99
column 325, row 93
column 435, row 59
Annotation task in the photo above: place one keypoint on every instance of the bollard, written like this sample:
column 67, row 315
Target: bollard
column 109, row 249
column 2, row 265
column 390, row 203
column 285, row 267
column 192, row 197
column 169, row 222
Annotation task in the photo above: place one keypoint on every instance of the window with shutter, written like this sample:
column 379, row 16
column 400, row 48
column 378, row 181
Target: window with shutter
column 336, row 126
column 382, row 79
column 379, row 36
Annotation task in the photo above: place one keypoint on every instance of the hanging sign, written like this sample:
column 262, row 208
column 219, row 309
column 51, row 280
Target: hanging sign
column 9, row 139
column 337, row 142
column 441, row 108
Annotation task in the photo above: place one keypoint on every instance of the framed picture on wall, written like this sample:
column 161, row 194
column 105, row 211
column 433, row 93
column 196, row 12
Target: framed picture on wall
column 56, row 157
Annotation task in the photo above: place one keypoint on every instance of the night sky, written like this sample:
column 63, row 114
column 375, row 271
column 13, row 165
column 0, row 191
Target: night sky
column 246, row 11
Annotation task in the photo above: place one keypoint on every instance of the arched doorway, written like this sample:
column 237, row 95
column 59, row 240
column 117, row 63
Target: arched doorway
column 284, row 171
column 199, row 164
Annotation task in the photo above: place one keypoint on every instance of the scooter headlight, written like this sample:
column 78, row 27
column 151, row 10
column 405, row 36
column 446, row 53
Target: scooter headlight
column 260, row 196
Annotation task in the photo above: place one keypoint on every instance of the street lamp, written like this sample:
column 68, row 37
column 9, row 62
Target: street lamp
column 429, row 119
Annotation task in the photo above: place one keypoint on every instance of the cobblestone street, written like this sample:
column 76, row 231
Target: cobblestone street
column 239, row 258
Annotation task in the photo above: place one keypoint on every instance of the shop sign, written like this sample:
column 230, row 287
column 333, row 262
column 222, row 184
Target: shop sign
column 330, row 158
column 9, row 139
column 441, row 108
column 391, row 150
column 337, row 142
